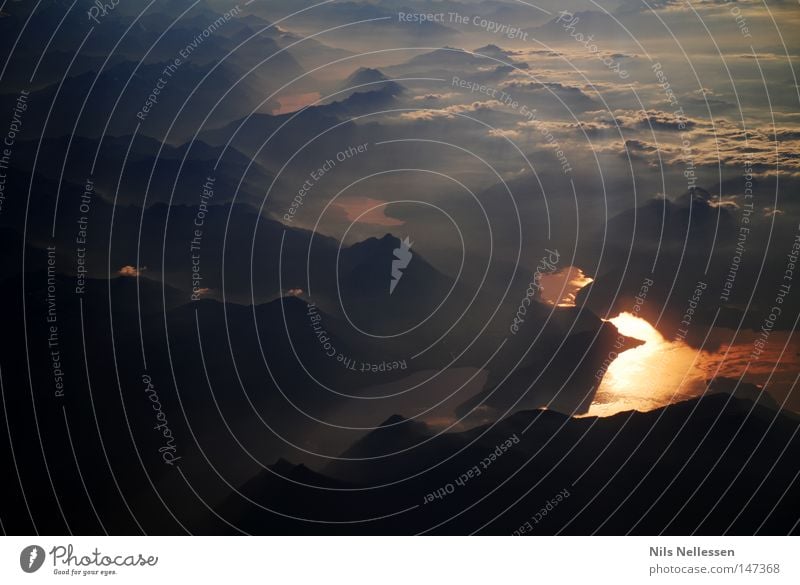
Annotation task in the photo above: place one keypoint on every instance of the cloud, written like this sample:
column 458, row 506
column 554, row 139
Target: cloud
column 645, row 120
column 509, row 133
column 434, row 97
column 659, row 120
column 640, row 146
column 725, row 201
column 451, row 111
column 761, row 56
column 764, row 149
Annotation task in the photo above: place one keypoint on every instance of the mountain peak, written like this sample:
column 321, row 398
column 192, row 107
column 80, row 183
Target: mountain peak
column 377, row 244
column 699, row 194
column 365, row 75
column 395, row 419
column 492, row 50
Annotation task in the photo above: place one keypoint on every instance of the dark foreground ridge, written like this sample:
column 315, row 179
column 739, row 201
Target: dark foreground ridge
column 704, row 466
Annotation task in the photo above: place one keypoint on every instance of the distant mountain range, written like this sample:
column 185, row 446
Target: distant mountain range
column 703, row 466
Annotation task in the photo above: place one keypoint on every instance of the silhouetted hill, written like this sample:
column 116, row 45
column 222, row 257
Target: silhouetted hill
column 702, row 465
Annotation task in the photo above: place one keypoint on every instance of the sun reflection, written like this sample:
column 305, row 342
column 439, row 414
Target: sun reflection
column 649, row 376
column 560, row 288
column 661, row 371
column 636, row 327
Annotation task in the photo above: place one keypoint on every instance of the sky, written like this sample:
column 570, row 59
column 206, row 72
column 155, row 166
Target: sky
column 294, row 266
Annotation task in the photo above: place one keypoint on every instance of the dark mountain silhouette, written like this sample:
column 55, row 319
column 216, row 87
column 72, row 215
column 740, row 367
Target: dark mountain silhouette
column 593, row 21
column 493, row 50
column 364, row 75
column 752, row 392
column 448, row 57
column 560, row 377
column 365, row 273
column 675, row 242
column 700, row 465
column 202, row 332
column 366, row 80
column 161, row 171
column 109, row 88
column 250, row 135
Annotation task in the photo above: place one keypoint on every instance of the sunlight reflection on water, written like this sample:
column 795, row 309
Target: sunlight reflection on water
column 648, row 376
column 661, row 372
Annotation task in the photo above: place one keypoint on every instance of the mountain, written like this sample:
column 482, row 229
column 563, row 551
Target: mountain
column 273, row 135
column 492, row 50
column 120, row 93
column 698, row 466
column 365, row 277
column 162, row 171
column 560, row 377
column 588, row 22
column 447, row 57
column 684, row 243
column 366, row 79
column 364, row 75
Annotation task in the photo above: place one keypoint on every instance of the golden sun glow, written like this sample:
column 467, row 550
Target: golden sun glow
column 661, row 371
column 649, row 376
column 636, row 327
column 561, row 288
